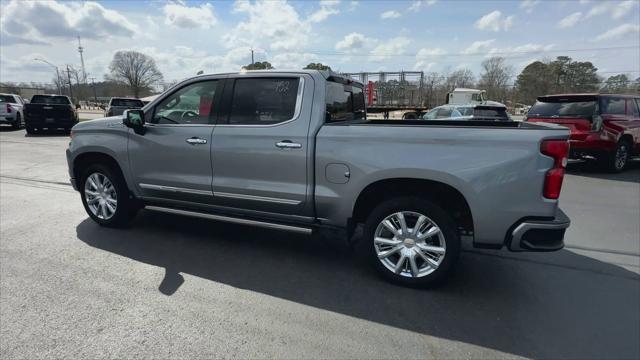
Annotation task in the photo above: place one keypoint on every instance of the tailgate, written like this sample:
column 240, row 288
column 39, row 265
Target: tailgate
column 580, row 127
column 48, row 111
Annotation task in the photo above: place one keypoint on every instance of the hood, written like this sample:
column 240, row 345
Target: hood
column 108, row 122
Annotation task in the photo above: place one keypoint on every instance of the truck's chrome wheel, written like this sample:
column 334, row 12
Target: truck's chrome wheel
column 409, row 244
column 100, row 195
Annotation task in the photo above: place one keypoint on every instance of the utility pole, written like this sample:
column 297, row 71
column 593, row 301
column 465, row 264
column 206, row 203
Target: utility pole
column 69, row 77
column 95, row 96
column 251, row 56
column 59, row 81
column 80, row 50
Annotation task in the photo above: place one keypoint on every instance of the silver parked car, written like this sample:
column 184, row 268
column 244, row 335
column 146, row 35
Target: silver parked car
column 11, row 110
column 487, row 110
column 294, row 151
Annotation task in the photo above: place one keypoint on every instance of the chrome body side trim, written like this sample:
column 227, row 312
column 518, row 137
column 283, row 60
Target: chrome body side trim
column 256, row 198
column 175, row 189
column 234, row 220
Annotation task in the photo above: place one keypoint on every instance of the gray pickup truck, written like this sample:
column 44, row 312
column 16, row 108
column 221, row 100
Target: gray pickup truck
column 294, row 151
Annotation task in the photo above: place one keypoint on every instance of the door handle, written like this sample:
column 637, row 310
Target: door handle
column 196, row 141
column 287, row 144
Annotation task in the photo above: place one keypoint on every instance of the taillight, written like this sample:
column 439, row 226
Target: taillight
column 558, row 150
column 8, row 108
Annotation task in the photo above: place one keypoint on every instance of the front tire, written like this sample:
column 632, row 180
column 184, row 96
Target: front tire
column 30, row 130
column 411, row 241
column 105, row 196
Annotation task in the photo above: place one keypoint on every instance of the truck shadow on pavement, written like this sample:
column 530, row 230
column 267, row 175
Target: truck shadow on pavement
column 630, row 174
column 554, row 305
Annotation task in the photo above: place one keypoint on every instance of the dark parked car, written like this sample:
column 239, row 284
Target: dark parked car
column 604, row 127
column 489, row 110
column 49, row 112
column 117, row 106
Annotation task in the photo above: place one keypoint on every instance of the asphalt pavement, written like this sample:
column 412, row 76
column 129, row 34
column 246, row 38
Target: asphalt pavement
column 175, row 287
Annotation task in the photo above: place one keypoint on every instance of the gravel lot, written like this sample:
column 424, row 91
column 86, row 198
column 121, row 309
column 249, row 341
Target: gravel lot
column 173, row 287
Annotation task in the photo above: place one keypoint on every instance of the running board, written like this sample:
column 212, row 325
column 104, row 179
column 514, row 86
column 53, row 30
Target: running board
column 235, row 220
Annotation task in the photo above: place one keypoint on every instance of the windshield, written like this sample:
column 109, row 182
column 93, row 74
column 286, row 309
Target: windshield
column 50, row 100
column 564, row 108
column 127, row 103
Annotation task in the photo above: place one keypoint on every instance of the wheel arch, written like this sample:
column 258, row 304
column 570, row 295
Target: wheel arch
column 83, row 160
column 444, row 195
column 627, row 137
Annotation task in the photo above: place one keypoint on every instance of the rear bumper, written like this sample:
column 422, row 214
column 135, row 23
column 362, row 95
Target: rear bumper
column 50, row 123
column 539, row 235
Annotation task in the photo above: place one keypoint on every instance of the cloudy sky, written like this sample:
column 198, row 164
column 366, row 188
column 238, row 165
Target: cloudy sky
column 215, row 36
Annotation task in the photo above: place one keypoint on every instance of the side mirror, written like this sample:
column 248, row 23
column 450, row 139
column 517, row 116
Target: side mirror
column 77, row 106
column 134, row 118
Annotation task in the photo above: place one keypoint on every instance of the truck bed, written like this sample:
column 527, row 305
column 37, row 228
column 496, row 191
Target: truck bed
column 488, row 162
column 457, row 123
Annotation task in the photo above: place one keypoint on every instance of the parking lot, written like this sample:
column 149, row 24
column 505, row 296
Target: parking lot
column 179, row 287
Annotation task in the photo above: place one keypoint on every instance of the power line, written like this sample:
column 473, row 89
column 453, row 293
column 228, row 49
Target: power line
column 337, row 53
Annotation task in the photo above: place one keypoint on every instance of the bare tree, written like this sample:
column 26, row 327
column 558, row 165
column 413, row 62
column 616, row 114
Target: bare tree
column 495, row 77
column 135, row 69
column 461, row 78
column 431, row 82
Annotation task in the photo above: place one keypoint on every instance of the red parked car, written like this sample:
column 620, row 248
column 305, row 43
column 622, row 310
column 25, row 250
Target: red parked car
column 604, row 127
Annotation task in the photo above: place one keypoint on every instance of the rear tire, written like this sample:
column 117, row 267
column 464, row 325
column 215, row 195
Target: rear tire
column 106, row 197
column 617, row 160
column 421, row 257
column 18, row 124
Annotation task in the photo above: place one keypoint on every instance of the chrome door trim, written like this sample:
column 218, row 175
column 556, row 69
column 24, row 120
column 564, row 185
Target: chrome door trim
column 296, row 112
column 255, row 198
column 235, row 220
column 175, row 189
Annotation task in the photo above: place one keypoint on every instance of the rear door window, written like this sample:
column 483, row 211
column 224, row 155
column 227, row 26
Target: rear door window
column 264, row 101
column 632, row 108
column 612, row 106
column 344, row 102
column 443, row 113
